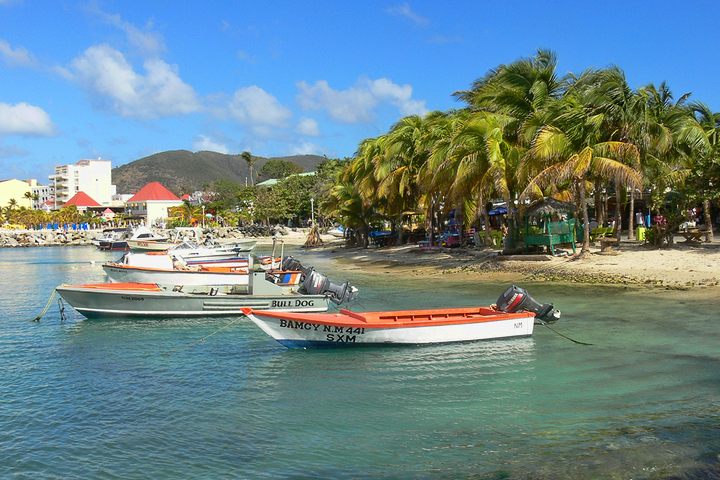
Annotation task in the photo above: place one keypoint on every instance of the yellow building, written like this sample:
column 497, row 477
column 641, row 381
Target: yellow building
column 16, row 189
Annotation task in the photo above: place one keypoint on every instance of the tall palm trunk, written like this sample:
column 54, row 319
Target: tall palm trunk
column 586, row 219
column 631, row 218
column 486, row 219
column 400, row 230
column 599, row 206
column 618, row 211
column 708, row 220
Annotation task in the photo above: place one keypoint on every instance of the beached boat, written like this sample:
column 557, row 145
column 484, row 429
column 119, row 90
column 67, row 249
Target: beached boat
column 513, row 316
column 281, row 290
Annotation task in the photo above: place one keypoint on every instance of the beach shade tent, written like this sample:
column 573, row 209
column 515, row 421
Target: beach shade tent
column 542, row 230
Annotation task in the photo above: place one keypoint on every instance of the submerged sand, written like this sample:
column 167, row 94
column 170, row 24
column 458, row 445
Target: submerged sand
column 682, row 266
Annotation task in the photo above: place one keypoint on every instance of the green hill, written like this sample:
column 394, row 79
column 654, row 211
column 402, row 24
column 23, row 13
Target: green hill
column 183, row 171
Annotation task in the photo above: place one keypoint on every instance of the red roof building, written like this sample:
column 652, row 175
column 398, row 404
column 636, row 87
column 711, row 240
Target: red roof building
column 153, row 191
column 152, row 203
column 81, row 200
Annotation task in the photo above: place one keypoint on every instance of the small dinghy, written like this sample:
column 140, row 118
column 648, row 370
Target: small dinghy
column 513, row 316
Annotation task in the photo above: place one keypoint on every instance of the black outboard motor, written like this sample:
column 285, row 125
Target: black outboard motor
column 315, row 283
column 515, row 299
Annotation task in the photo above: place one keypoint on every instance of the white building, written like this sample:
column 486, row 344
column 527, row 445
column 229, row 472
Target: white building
column 45, row 195
column 89, row 176
column 151, row 203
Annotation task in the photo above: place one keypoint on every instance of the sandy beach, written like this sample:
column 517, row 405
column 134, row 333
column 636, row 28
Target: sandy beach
column 681, row 266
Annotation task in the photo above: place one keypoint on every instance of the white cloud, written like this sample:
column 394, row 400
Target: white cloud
column 147, row 42
column 308, row 126
column 304, row 148
column 404, row 10
column 254, row 107
column 15, row 56
column 205, row 143
column 357, row 104
column 24, row 119
column 105, row 72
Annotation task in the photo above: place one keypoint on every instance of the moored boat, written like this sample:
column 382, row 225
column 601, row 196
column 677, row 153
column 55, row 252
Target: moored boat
column 162, row 268
column 290, row 291
column 513, row 316
column 134, row 299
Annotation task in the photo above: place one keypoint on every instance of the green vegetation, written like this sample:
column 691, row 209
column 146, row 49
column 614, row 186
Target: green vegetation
column 279, row 168
column 287, row 202
column 527, row 133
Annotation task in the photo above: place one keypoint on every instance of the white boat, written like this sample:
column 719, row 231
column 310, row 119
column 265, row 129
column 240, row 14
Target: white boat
column 145, row 239
column 193, row 253
column 152, row 300
column 163, row 268
column 265, row 291
column 513, row 316
column 108, row 235
column 190, row 241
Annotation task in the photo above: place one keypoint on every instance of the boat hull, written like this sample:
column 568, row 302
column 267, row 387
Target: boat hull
column 150, row 245
column 114, row 245
column 123, row 274
column 294, row 333
column 99, row 302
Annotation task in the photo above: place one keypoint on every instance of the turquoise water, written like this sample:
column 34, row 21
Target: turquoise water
column 150, row 399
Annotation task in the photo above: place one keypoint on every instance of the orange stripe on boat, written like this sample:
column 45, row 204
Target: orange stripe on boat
column 400, row 318
column 148, row 287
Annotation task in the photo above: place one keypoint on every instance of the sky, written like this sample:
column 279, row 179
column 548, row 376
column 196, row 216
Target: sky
column 121, row 80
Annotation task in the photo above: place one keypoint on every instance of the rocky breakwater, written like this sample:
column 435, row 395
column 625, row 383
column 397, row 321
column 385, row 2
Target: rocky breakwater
column 44, row 238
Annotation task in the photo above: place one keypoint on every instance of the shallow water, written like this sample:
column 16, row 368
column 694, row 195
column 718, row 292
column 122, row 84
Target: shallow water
column 152, row 399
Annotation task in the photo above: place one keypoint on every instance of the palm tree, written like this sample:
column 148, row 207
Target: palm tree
column 706, row 167
column 250, row 160
column 575, row 149
column 30, row 196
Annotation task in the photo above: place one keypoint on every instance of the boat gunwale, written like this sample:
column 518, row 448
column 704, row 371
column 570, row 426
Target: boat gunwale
column 347, row 318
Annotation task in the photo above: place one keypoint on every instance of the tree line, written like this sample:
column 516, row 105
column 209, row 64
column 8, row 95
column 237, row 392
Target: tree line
column 527, row 132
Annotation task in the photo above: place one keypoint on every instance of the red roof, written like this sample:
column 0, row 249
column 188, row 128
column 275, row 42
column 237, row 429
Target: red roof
column 185, row 197
column 153, row 191
column 82, row 199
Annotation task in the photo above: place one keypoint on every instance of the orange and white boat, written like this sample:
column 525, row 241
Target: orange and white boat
column 162, row 268
column 513, row 316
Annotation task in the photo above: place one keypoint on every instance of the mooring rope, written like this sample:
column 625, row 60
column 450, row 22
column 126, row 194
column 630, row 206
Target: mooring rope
column 545, row 324
column 47, row 306
column 202, row 339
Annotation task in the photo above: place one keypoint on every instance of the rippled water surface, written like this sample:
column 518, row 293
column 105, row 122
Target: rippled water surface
column 217, row 398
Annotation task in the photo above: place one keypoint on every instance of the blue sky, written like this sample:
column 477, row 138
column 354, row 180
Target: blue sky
column 124, row 79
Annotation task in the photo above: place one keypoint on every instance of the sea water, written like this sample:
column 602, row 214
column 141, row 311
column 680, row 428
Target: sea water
column 217, row 398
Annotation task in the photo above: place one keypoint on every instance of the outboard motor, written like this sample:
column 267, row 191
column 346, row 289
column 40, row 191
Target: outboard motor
column 515, row 299
column 318, row 284
column 315, row 283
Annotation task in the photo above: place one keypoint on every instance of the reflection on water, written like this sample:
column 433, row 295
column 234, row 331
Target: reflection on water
column 216, row 397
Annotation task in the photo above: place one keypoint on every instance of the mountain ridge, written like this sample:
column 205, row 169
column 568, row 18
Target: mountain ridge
column 183, row 171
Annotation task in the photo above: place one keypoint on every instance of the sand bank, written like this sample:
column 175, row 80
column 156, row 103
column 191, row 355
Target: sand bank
column 682, row 266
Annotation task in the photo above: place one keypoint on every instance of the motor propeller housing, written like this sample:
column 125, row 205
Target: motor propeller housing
column 315, row 283
column 515, row 299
